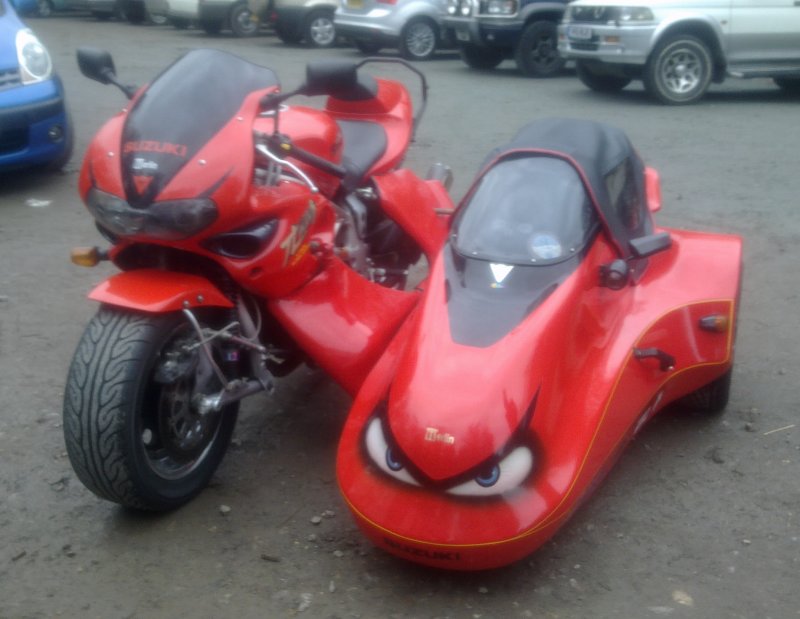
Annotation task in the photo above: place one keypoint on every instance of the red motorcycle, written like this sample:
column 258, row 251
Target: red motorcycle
column 251, row 235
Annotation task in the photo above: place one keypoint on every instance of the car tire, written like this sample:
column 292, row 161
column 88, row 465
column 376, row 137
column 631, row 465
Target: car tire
column 481, row 58
column 536, row 53
column 157, row 19
column 211, row 26
column 679, row 70
column 598, row 81
column 419, row 39
column 318, row 29
column 789, row 85
column 367, row 47
column 241, row 21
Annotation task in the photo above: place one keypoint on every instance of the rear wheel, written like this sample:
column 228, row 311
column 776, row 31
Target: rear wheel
column 418, row 39
column 132, row 429
column 482, row 58
column 537, row 51
column 679, row 70
column 318, row 30
column 600, row 82
column 241, row 21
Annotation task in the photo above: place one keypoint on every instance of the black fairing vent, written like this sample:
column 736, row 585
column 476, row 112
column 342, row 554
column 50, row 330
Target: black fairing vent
column 482, row 310
column 179, row 113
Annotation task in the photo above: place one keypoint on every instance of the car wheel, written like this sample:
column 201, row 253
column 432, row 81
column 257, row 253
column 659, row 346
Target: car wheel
column 712, row 398
column 318, row 30
column 598, row 81
column 367, row 47
column 789, row 85
column 241, row 21
column 481, row 58
column 418, row 39
column 44, row 8
column 678, row 71
column 157, row 19
column 211, row 26
column 537, row 51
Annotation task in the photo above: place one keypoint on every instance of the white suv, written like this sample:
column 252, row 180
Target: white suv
column 678, row 47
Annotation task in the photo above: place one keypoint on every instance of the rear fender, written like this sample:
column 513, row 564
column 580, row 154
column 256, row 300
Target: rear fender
column 156, row 291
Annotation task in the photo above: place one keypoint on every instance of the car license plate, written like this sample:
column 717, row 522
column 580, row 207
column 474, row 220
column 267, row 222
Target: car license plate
column 462, row 35
column 355, row 4
column 579, row 33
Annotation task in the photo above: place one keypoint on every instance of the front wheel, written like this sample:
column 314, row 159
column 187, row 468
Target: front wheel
column 679, row 70
column 132, row 428
column 241, row 21
column 418, row 39
column 537, row 54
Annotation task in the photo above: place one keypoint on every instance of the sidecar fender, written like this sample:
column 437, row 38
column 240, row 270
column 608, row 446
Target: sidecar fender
column 152, row 290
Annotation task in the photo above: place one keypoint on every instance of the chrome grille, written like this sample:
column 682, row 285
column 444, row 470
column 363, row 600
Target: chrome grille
column 9, row 78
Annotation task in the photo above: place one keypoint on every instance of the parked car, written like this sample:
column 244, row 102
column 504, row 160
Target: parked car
column 214, row 16
column 182, row 13
column 413, row 26
column 297, row 21
column 490, row 31
column 45, row 8
column 678, row 47
column 35, row 128
column 25, row 7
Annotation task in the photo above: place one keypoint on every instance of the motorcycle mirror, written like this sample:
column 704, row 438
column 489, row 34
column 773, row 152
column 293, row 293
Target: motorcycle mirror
column 339, row 79
column 96, row 64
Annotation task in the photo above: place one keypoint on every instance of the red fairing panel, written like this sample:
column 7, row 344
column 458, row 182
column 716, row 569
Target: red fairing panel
column 343, row 321
column 573, row 360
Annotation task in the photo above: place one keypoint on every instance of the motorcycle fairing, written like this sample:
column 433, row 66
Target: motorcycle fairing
column 157, row 141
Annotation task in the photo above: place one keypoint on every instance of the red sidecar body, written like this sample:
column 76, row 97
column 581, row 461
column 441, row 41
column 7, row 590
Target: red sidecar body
column 557, row 319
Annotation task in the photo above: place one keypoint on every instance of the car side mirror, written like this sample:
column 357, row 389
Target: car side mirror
column 646, row 246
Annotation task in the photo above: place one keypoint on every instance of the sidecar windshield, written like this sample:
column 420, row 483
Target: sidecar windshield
column 526, row 210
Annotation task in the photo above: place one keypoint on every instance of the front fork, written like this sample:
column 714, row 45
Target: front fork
column 235, row 389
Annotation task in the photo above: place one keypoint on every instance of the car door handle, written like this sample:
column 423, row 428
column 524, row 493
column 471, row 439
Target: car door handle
column 665, row 360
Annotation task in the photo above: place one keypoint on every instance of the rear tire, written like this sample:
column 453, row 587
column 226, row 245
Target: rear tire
column 241, row 21
column 537, row 54
column 600, row 82
column 132, row 432
column 318, row 29
column 481, row 58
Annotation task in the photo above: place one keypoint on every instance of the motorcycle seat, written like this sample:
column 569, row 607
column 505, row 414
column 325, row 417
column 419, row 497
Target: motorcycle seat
column 364, row 143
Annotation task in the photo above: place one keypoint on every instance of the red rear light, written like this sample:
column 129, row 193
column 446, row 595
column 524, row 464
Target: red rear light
column 387, row 1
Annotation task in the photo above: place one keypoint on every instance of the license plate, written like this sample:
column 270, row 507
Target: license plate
column 355, row 4
column 462, row 35
column 579, row 33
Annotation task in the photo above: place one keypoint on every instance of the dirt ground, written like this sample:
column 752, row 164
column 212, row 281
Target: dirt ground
column 698, row 519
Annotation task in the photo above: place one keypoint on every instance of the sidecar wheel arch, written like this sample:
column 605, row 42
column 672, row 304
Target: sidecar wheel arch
column 711, row 398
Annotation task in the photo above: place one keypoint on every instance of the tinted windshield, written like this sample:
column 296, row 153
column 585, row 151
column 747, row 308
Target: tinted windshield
column 528, row 210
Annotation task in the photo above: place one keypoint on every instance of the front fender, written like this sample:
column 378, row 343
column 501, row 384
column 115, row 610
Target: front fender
column 156, row 291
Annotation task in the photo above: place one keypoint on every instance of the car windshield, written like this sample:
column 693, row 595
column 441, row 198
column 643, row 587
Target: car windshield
column 527, row 210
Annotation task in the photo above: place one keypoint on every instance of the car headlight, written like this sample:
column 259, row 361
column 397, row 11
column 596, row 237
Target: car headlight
column 452, row 7
column 168, row 220
column 34, row 60
column 501, row 7
column 629, row 14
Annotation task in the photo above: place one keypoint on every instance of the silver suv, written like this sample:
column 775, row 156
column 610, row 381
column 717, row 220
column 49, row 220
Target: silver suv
column 678, row 47
column 295, row 21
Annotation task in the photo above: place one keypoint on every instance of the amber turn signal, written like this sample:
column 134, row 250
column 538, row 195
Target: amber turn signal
column 85, row 256
column 716, row 323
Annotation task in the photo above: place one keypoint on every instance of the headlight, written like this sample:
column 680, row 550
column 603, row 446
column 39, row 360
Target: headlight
column 466, row 8
column 34, row 61
column 629, row 14
column 169, row 220
column 501, row 7
column 452, row 7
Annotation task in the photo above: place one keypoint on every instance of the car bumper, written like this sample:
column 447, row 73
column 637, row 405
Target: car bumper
column 494, row 32
column 33, row 125
column 606, row 43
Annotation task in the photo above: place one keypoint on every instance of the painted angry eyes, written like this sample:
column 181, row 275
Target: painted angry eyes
column 495, row 479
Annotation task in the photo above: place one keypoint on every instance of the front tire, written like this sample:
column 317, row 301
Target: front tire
column 132, row 432
column 600, row 82
column 241, row 21
column 418, row 39
column 679, row 71
column 537, row 54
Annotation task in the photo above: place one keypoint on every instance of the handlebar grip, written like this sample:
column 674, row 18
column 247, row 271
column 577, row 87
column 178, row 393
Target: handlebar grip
column 285, row 146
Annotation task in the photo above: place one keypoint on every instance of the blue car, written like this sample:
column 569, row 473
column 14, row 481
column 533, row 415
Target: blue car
column 35, row 128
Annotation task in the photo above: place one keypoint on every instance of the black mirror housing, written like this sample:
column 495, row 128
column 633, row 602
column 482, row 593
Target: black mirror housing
column 96, row 64
column 646, row 246
column 338, row 79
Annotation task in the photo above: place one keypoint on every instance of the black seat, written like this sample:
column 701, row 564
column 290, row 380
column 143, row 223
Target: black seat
column 364, row 144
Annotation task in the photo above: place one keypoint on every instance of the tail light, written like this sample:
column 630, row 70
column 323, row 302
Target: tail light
column 387, row 2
